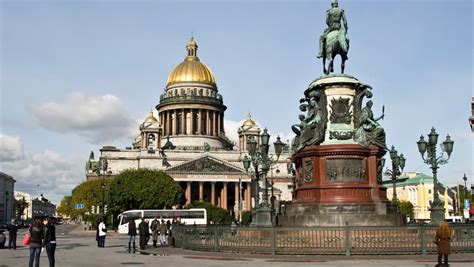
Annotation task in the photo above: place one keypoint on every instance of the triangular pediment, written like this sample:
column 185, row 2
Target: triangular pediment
column 206, row 164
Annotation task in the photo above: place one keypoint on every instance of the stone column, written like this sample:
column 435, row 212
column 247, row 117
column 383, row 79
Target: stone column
column 200, row 122
column 175, row 122
column 214, row 124
column 201, row 187
column 213, row 193
column 168, row 119
column 188, row 193
column 218, row 123
column 192, row 130
column 224, row 197
column 208, row 124
column 248, row 198
column 183, row 121
column 237, row 196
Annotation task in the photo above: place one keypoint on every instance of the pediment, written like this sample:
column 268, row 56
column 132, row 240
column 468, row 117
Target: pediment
column 206, row 164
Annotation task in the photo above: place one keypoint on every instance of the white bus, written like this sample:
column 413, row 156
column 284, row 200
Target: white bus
column 188, row 217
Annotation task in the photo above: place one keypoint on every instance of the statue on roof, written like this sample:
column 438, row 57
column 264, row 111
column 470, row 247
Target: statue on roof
column 334, row 41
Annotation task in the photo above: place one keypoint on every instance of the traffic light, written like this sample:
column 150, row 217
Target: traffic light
column 92, row 209
column 105, row 209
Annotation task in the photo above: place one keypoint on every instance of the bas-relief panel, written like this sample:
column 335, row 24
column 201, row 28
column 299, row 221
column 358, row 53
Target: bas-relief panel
column 345, row 170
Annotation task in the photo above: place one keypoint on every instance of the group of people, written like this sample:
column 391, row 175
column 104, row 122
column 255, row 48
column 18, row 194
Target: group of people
column 43, row 235
column 160, row 229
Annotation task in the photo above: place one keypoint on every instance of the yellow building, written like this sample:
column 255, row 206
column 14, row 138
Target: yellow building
column 417, row 188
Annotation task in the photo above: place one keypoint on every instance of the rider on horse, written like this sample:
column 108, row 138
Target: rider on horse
column 333, row 20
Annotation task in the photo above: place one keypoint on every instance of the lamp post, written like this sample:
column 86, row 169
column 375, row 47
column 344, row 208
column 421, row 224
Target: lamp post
column 261, row 162
column 465, row 186
column 437, row 207
column 6, row 205
column 102, row 172
column 398, row 164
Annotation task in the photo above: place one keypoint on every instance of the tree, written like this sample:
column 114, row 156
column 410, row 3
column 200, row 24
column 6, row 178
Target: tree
column 20, row 206
column 143, row 189
column 90, row 193
column 215, row 214
column 406, row 208
column 65, row 207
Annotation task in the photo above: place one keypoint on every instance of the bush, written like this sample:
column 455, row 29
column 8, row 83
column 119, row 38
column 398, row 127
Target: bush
column 246, row 217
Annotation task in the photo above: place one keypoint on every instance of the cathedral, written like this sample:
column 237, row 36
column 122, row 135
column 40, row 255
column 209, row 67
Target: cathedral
column 187, row 140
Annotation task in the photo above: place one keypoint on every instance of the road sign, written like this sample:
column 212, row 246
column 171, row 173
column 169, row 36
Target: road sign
column 79, row 206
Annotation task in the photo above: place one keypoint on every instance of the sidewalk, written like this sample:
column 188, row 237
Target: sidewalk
column 80, row 230
column 422, row 259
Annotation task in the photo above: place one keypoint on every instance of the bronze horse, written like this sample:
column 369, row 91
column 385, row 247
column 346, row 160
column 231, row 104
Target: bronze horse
column 336, row 43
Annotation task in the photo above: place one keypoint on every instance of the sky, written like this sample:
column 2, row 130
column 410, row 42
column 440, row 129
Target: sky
column 77, row 75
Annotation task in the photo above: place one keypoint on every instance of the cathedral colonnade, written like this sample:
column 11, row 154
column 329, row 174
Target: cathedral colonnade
column 192, row 121
column 222, row 194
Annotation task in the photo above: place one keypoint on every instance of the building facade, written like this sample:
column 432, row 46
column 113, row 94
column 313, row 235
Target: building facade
column 38, row 206
column 7, row 200
column 417, row 188
column 187, row 140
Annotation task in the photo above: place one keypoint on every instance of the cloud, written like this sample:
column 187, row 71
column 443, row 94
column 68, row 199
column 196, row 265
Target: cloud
column 55, row 174
column 11, row 148
column 99, row 119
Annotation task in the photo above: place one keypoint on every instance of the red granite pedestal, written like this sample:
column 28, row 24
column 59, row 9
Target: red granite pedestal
column 336, row 184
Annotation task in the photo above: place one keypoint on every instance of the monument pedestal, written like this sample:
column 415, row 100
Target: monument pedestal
column 338, row 179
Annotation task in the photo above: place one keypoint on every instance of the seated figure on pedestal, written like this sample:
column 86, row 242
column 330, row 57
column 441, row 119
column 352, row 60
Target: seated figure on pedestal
column 370, row 131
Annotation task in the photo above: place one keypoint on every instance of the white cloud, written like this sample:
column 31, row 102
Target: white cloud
column 11, row 148
column 55, row 174
column 99, row 119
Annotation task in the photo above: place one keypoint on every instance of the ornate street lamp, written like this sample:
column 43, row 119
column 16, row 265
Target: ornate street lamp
column 437, row 207
column 261, row 162
column 102, row 171
column 465, row 186
column 398, row 164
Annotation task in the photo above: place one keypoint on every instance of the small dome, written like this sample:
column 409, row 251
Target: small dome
column 248, row 121
column 191, row 69
column 150, row 118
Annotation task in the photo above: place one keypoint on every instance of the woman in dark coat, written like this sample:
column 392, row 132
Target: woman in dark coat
column 144, row 233
column 37, row 234
column 132, row 232
column 49, row 241
column 442, row 240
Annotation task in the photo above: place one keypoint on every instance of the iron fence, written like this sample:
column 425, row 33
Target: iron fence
column 320, row 240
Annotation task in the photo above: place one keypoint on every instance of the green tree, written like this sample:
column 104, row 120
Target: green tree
column 143, row 189
column 246, row 217
column 90, row 193
column 406, row 208
column 215, row 214
column 65, row 207
column 20, row 206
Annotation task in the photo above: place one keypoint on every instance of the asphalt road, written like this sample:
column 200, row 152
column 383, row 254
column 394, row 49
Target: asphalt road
column 77, row 247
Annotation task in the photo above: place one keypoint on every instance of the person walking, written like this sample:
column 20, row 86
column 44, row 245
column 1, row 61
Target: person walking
column 154, row 229
column 443, row 242
column 102, row 233
column 144, row 232
column 163, row 229
column 49, row 240
column 37, row 234
column 132, row 232
column 12, row 234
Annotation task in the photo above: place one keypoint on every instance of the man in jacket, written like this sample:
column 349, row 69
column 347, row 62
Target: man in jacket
column 12, row 233
column 163, row 230
column 102, row 233
column 144, row 232
column 154, row 228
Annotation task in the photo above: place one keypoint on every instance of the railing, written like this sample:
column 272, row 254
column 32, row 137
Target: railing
column 320, row 240
column 191, row 98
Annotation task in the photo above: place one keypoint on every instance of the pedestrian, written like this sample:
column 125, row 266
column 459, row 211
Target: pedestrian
column 144, row 232
column 154, row 229
column 442, row 241
column 37, row 234
column 163, row 229
column 97, row 233
column 12, row 233
column 102, row 233
column 132, row 232
column 49, row 241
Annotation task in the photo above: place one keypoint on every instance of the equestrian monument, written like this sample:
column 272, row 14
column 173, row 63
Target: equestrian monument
column 339, row 146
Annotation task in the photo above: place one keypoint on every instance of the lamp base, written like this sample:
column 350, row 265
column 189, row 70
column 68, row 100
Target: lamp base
column 262, row 217
column 437, row 213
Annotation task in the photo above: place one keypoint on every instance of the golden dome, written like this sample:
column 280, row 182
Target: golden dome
column 191, row 69
column 150, row 118
column 249, row 121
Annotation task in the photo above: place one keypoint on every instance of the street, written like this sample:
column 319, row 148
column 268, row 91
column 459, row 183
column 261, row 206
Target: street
column 77, row 247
